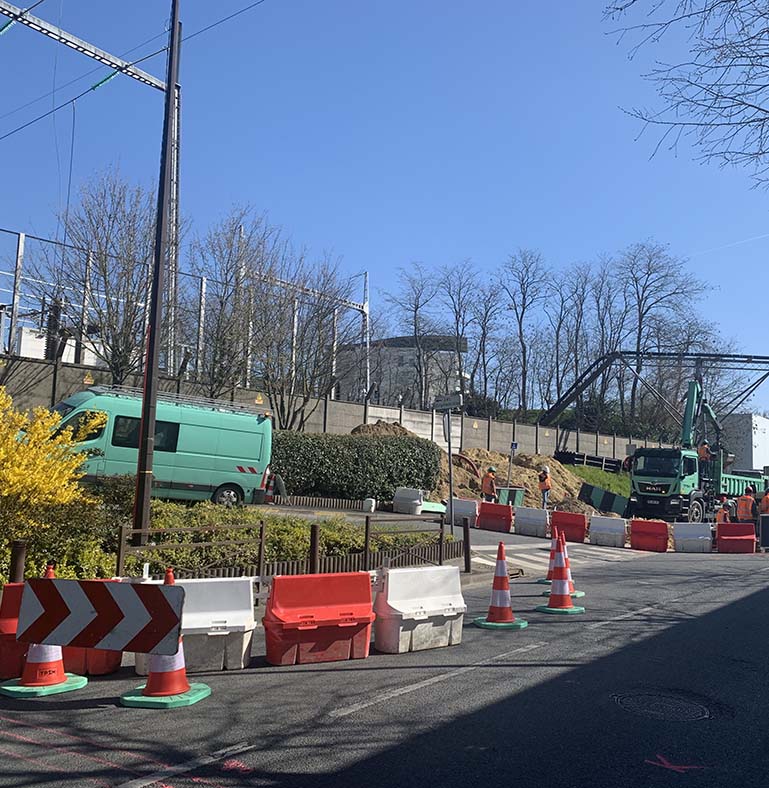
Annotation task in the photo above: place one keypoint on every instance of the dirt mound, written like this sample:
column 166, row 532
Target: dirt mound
column 382, row 429
column 524, row 473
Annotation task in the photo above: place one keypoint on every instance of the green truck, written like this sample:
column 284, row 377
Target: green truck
column 673, row 485
column 205, row 449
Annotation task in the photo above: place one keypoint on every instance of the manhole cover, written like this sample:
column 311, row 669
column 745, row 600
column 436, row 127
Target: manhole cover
column 663, row 706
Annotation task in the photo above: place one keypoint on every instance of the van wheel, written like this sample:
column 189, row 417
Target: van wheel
column 228, row 495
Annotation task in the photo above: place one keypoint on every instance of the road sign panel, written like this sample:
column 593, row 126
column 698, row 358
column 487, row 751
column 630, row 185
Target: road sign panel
column 514, row 446
column 448, row 401
column 141, row 617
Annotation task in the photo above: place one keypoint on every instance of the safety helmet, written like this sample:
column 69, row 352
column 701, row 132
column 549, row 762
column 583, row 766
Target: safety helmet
column 492, row 469
column 545, row 469
column 704, row 443
column 749, row 490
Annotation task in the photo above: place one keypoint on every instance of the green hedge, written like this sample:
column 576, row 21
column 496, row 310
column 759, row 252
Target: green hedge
column 353, row 466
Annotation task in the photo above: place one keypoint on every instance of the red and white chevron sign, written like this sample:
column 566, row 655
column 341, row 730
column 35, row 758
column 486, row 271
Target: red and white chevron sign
column 145, row 618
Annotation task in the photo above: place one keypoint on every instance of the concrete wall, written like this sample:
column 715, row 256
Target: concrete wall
column 31, row 382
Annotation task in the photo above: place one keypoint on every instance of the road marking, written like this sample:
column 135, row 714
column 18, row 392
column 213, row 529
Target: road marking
column 345, row 711
column 189, row 766
column 622, row 616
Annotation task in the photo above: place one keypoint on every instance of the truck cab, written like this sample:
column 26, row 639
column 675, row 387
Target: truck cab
column 665, row 484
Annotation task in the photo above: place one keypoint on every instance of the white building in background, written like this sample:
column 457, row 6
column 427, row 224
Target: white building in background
column 746, row 435
column 394, row 370
column 30, row 343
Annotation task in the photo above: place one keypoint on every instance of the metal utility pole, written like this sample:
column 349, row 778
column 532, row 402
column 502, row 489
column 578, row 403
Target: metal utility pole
column 18, row 15
column 141, row 515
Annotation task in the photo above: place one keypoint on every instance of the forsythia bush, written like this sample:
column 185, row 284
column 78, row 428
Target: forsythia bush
column 39, row 467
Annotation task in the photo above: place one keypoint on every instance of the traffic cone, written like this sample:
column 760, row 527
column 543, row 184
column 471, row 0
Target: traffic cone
column 269, row 492
column 43, row 672
column 572, row 593
column 500, row 615
column 167, row 686
column 560, row 593
column 551, row 562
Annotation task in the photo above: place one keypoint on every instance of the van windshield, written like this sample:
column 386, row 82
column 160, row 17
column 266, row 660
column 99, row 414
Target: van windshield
column 657, row 464
column 77, row 422
column 62, row 409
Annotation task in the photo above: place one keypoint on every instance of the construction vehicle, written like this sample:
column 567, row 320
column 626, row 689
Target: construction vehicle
column 671, row 483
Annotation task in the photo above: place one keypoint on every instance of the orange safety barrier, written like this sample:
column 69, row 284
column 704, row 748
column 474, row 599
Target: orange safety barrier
column 736, row 538
column 11, row 651
column 651, row 535
column 318, row 618
column 572, row 526
column 495, row 517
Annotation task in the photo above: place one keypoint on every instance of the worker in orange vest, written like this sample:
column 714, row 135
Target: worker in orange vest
column 763, row 507
column 489, row 485
column 722, row 514
column 545, row 484
column 705, row 456
column 747, row 509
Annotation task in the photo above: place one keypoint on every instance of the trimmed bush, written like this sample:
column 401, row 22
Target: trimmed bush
column 353, row 466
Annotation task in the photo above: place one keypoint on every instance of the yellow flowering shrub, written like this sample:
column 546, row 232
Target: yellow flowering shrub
column 39, row 466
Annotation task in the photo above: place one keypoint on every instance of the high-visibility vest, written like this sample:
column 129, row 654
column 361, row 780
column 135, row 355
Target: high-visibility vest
column 704, row 453
column 764, row 506
column 745, row 508
column 488, row 485
column 545, row 484
column 722, row 516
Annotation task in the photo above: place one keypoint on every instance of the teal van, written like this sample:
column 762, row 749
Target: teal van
column 205, row 449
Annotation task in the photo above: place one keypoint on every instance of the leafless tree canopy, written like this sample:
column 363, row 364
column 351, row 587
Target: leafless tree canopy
column 719, row 91
column 531, row 332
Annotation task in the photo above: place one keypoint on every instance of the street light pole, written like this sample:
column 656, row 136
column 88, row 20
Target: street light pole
column 141, row 514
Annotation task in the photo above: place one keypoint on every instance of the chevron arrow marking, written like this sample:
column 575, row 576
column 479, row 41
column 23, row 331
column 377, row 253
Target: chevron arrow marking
column 94, row 614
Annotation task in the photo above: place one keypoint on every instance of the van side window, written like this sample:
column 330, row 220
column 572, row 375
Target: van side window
column 126, row 434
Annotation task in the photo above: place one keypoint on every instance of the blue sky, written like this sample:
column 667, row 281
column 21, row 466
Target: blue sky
column 393, row 131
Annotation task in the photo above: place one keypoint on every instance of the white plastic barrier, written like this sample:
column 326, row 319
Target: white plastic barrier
column 217, row 624
column 531, row 522
column 466, row 507
column 607, row 531
column 692, row 537
column 408, row 501
column 418, row 608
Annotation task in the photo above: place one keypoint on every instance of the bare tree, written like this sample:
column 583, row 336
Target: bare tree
column 718, row 93
column 413, row 302
column 525, row 283
column 487, row 309
column 458, row 293
column 102, row 284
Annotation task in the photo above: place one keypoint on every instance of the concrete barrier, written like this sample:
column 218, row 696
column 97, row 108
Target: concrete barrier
column 466, row 507
column 419, row 608
column 217, row 624
column 607, row 531
column 531, row 522
column 408, row 501
column 692, row 537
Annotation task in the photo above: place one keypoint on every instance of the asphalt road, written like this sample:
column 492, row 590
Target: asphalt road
column 660, row 683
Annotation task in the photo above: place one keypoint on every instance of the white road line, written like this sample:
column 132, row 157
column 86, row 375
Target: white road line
column 345, row 711
column 483, row 561
column 189, row 766
column 622, row 616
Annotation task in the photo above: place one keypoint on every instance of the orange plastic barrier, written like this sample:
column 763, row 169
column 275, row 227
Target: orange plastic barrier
column 572, row 526
column 651, row 535
column 11, row 651
column 736, row 538
column 318, row 618
column 495, row 517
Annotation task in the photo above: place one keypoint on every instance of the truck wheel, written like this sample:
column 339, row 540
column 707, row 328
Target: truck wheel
column 696, row 511
column 228, row 495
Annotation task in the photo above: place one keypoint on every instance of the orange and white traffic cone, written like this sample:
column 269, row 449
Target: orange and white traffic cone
column 43, row 672
column 560, row 593
column 500, row 615
column 269, row 492
column 572, row 592
column 549, row 578
column 167, row 686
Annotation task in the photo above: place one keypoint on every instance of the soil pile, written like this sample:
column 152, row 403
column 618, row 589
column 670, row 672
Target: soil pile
column 525, row 472
column 383, row 429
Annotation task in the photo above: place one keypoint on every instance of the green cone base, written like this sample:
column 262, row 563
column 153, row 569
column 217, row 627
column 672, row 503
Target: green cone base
column 575, row 595
column 544, row 581
column 13, row 689
column 136, row 700
column 519, row 623
column 560, row 611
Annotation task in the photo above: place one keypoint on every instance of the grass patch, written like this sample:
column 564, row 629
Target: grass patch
column 618, row 483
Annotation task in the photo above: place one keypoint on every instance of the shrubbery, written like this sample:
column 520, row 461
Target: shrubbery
column 353, row 466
